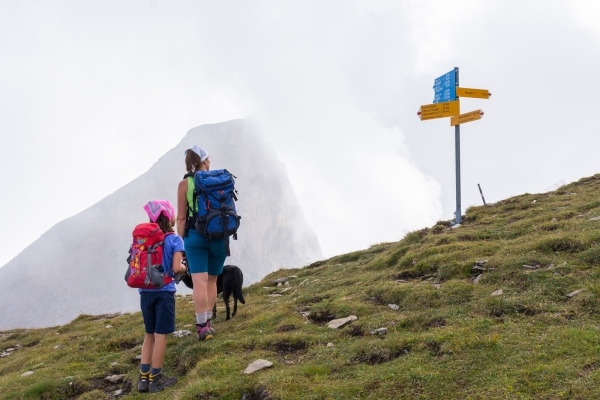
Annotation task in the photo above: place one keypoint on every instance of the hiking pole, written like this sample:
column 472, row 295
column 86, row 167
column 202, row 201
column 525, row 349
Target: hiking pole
column 482, row 198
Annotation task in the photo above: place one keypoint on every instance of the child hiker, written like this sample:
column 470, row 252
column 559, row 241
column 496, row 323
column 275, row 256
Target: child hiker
column 158, row 304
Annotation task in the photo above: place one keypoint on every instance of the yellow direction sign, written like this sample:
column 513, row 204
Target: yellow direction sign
column 467, row 117
column 476, row 93
column 439, row 110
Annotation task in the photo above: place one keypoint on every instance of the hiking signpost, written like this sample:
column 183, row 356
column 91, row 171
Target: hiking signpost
column 446, row 103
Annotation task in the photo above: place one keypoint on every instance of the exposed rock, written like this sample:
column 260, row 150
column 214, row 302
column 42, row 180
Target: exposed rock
column 329, row 344
column 114, row 363
column 498, row 292
column 305, row 313
column 481, row 263
column 401, row 281
column 575, row 293
column 4, row 354
column 59, row 346
column 537, row 266
column 274, row 295
column 292, row 276
column 118, row 392
column 115, row 378
column 533, row 202
column 257, row 366
column 437, row 285
column 456, row 226
column 303, row 282
column 280, row 284
column 394, row 307
column 285, row 290
column 595, row 219
column 478, row 268
column 280, row 280
column 28, row 373
column 181, row 333
column 188, row 326
column 108, row 326
column 477, row 279
column 380, row 331
column 337, row 323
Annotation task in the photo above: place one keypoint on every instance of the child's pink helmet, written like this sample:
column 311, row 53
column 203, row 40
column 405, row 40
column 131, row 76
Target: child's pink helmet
column 155, row 207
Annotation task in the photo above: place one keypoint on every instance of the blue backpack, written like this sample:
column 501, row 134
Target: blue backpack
column 215, row 196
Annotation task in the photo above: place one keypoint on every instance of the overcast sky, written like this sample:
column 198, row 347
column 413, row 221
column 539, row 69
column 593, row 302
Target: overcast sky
column 93, row 93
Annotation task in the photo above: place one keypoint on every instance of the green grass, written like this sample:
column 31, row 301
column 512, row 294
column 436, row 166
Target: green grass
column 450, row 338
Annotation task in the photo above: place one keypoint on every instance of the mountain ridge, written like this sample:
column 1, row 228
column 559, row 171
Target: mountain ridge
column 88, row 250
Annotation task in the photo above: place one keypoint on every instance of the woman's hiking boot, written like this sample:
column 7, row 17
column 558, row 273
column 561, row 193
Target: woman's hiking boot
column 203, row 332
column 158, row 382
column 143, row 382
column 210, row 328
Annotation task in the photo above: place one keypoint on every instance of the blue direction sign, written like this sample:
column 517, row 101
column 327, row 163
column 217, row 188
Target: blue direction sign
column 445, row 88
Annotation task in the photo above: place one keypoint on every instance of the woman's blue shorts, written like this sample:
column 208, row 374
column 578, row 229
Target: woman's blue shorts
column 204, row 255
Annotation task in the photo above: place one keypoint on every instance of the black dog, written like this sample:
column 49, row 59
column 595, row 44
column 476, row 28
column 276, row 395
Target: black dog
column 229, row 283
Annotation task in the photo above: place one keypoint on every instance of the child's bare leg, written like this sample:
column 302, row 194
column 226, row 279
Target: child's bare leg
column 160, row 347
column 148, row 349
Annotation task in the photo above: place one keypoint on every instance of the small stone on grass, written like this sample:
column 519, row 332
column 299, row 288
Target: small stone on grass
column 257, row 366
column 337, row 323
column 380, row 331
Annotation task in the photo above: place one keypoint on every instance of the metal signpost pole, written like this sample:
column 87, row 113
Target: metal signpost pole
column 446, row 103
column 458, row 213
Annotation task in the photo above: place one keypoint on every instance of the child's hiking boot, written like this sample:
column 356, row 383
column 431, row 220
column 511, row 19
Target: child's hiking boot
column 143, row 381
column 203, row 331
column 158, row 382
column 210, row 328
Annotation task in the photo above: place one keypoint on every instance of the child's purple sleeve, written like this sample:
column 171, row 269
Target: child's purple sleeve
column 177, row 243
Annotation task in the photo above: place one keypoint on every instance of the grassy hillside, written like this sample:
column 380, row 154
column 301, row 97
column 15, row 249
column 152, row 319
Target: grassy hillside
column 450, row 337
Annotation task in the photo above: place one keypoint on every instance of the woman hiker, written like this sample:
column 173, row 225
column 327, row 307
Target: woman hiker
column 205, row 258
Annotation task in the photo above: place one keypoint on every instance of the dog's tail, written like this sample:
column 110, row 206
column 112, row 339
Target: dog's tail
column 238, row 287
column 240, row 296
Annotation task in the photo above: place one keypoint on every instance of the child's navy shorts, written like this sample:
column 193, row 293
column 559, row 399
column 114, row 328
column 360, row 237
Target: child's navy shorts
column 158, row 309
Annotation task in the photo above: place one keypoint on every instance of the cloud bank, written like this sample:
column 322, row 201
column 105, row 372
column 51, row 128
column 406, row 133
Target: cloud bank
column 94, row 93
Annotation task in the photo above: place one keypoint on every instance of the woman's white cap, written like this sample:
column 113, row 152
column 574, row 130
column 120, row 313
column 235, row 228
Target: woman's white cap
column 203, row 154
